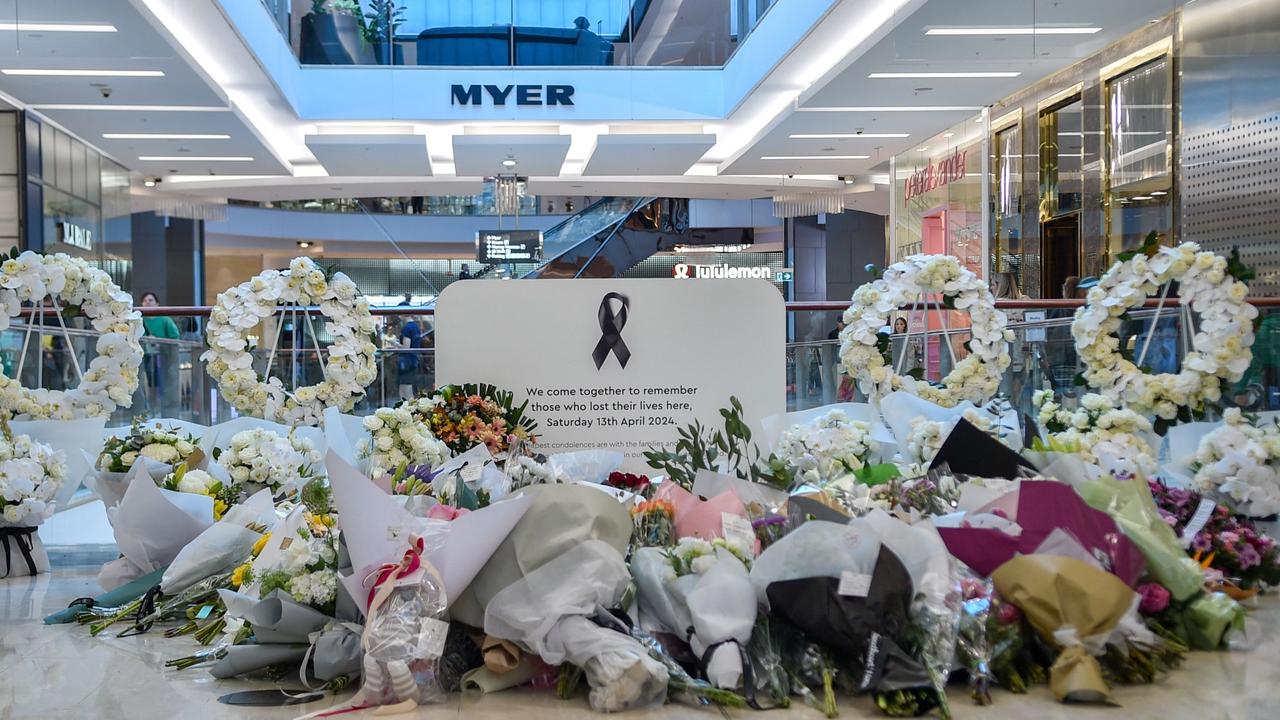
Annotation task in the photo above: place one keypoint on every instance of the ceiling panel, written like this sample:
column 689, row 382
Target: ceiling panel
column 401, row 155
column 482, row 155
column 647, row 154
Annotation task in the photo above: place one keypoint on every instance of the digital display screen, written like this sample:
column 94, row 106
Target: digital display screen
column 505, row 246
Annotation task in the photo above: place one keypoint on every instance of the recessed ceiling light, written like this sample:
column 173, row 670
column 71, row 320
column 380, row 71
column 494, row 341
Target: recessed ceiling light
column 891, row 108
column 58, row 27
column 949, row 134
column 166, row 136
column 908, row 75
column 51, row 72
column 136, row 108
column 304, row 244
column 1159, row 192
column 198, row 158
column 1141, row 197
column 815, row 157
column 509, row 163
column 921, row 149
column 841, row 136
column 150, row 182
column 1015, row 31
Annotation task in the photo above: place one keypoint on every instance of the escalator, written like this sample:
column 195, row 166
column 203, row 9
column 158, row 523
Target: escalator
column 614, row 234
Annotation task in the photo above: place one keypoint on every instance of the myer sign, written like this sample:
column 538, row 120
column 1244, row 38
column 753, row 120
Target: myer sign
column 618, row 364
column 498, row 95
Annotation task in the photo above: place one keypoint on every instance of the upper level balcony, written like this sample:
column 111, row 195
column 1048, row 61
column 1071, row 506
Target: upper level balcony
column 489, row 33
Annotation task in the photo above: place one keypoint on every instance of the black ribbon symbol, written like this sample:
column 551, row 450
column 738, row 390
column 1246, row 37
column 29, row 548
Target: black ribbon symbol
column 611, row 325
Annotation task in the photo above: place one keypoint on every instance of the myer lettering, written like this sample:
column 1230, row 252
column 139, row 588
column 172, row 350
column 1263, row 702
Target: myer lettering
column 520, row 94
column 933, row 176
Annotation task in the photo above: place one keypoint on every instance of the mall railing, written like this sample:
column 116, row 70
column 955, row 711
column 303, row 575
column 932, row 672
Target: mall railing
column 515, row 32
column 174, row 384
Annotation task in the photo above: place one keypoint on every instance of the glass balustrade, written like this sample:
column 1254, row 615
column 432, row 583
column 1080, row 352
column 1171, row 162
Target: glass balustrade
column 478, row 33
column 173, row 382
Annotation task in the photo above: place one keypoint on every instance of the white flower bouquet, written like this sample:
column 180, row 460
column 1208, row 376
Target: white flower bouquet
column 398, row 436
column 262, row 458
column 703, row 586
column 825, row 448
column 927, row 437
column 30, row 475
column 1239, row 464
column 164, row 445
column 1110, row 439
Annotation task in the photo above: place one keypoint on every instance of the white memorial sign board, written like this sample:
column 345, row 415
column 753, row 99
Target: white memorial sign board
column 617, row 364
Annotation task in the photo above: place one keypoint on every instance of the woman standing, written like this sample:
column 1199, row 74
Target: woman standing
column 159, row 326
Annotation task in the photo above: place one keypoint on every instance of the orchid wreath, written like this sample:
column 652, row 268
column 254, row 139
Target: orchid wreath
column 863, row 347
column 351, row 364
column 1218, row 350
column 72, row 285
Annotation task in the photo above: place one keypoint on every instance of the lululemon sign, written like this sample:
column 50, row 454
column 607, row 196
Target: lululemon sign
column 618, row 364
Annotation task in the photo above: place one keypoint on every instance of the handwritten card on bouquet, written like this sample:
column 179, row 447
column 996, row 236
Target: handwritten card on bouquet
column 618, row 364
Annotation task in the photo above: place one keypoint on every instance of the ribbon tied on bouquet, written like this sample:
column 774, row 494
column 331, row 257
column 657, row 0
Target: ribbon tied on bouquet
column 22, row 538
column 385, row 575
column 611, row 324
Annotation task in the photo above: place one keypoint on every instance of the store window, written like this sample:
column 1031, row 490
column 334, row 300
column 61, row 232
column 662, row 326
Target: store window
column 1061, row 190
column 1138, row 182
column 1006, row 188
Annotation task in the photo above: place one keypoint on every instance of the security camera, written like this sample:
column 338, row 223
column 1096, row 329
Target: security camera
column 858, row 131
column 106, row 91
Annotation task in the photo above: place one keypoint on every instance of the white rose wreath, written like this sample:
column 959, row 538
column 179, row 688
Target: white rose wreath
column 1218, row 350
column 351, row 365
column 863, row 348
column 72, row 284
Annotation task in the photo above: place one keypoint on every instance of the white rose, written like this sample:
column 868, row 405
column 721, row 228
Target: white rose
column 195, row 481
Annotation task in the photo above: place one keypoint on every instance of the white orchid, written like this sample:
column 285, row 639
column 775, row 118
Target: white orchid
column 1220, row 349
column 352, row 361
column 30, row 475
column 975, row 378
column 1239, row 463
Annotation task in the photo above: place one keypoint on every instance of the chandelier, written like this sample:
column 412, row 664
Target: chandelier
column 790, row 205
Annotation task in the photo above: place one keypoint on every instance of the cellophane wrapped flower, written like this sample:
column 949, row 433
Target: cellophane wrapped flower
column 825, row 449
column 404, row 640
column 1239, row 465
column 1104, row 435
column 400, row 436
column 654, row 524
column 164, row 445
column 992, row 643
column 1229, row 545
column 464, row 416
column 30, row 475
column 263, row 458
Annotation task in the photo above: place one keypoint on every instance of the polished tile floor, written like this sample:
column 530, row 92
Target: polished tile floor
column 57, row 672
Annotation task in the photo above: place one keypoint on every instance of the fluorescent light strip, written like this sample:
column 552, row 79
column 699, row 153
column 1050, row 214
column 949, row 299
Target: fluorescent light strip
column 166, row 136
column 58, row 27
column 195, row 158
column 925, row 75
column 136, row 108
column 842, row 136
column 815, row 157
column 51, row 72
column 891, row 108
column 1015, row 31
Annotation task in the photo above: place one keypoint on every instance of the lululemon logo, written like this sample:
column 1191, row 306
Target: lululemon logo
column 680, row 271
column 611, row 324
